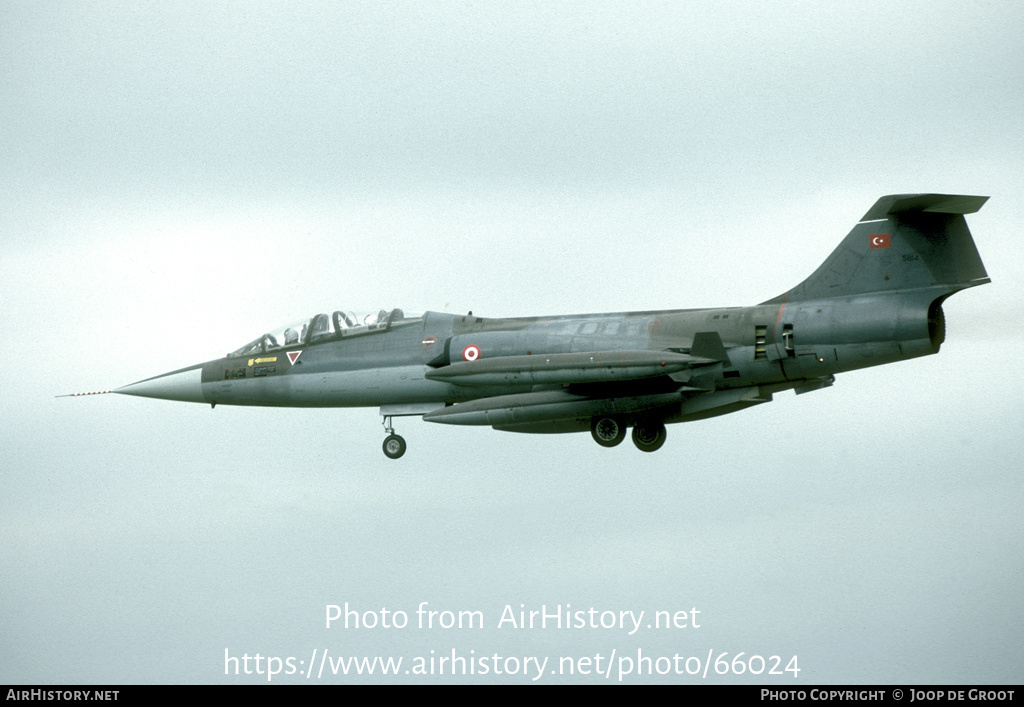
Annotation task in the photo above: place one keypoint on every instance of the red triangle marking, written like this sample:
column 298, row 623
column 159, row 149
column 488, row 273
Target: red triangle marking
column 292, row 355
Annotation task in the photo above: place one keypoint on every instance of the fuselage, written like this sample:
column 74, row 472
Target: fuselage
column 777, row 345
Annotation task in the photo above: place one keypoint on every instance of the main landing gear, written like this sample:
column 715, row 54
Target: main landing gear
column 649, row 437
column 610, row 431
column 394, row 445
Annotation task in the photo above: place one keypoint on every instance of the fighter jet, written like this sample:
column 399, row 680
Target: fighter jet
column 876, row 299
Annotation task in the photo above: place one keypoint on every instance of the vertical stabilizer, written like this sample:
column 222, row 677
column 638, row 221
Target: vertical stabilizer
column 903, row 242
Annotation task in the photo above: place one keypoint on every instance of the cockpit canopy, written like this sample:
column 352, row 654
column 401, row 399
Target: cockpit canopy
column 326, row 327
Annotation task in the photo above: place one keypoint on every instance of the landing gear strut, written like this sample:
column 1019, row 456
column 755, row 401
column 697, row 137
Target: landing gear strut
column 394, row 445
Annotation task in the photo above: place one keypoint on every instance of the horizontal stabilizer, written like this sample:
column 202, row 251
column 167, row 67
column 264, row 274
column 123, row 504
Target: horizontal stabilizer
column 928, row 203
column 562, row 368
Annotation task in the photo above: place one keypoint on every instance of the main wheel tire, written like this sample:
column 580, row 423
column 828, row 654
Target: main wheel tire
column 608, row 431
column 394, row 446
column 649, row 438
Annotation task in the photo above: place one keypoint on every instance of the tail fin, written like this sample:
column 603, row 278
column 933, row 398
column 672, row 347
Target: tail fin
column 904, row 241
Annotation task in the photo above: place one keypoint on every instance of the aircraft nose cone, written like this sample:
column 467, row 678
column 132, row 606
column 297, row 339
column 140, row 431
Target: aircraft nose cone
column 185, row 385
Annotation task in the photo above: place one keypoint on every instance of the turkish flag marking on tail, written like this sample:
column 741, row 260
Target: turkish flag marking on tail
column 880, row 240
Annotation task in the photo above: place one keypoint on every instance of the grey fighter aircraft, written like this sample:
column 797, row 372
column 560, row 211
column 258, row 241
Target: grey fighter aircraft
column 876, row 299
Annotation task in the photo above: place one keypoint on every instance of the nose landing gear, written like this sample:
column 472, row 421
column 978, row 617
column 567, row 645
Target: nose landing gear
column 394, row 445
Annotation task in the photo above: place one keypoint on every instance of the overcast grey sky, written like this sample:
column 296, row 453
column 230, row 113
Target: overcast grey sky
column 180, row 177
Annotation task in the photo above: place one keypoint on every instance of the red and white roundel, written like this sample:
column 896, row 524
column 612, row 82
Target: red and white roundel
column 471, row 353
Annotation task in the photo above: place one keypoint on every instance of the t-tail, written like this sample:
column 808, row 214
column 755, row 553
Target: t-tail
column 903, row 242
column 878, row 297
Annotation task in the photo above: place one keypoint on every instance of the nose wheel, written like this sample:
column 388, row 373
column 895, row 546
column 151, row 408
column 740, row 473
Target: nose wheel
column 394, row 445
